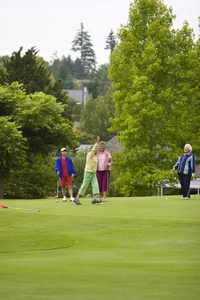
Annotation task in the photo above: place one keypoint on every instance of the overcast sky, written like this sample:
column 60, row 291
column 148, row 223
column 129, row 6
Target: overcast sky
column 51, row 25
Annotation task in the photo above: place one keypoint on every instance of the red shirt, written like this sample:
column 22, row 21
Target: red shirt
column 64, row 168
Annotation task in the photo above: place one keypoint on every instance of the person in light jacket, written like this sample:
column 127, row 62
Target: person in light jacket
column 186, row 169
column 90, row 175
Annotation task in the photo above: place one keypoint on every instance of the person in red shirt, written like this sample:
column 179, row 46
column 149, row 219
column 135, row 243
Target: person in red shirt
column 65, row 170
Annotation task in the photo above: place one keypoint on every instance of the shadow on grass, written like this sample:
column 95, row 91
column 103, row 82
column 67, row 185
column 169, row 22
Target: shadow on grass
column 30, row 240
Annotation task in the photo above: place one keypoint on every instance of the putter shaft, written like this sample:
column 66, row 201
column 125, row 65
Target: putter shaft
column 24, row 209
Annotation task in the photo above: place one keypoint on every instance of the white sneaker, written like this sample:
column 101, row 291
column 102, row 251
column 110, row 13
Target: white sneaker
column 64, row 199
column 72, row 199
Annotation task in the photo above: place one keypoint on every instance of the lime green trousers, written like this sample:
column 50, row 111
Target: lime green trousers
column 87, row 179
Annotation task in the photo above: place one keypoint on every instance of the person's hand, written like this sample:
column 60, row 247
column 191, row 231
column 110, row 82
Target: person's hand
column 58, row 173
column 109, row 164
column 98, row 139
column 72, row 175
column 173, row 171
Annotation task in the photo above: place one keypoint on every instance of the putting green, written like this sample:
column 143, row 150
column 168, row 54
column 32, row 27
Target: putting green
column 126, row 249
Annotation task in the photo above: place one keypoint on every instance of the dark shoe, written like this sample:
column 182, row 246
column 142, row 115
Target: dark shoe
column 96, row 201
column 77, row 202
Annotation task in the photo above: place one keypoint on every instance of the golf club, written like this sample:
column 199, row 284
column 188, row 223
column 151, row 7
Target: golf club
column 57, row 196
column 189, row 188
column 107, row 180
column 4, row 206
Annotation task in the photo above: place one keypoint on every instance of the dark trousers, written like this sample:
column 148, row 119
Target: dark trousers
column 103, row 178
column 185, row 184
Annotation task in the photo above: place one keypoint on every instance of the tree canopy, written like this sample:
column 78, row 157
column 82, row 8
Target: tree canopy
column 32, row 71
column 26, row 69
column 30, row 126
column 155, row 70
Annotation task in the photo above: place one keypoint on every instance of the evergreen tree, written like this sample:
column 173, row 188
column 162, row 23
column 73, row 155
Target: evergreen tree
column 110, row 42
column 78, row 69
column 28, row 70
column 55, row 66
column 82, row 43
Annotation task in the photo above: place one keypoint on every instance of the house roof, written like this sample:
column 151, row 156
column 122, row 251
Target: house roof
column 112, row 145
column 84, row 147
column 78, row 94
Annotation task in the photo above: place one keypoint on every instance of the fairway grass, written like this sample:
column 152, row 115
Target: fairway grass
column 127, row 248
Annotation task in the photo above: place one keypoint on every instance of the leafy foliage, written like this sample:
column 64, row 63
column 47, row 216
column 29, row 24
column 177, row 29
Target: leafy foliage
column 35, row 178
column 95, row 118
column 154, row 73
column 32, row 71
column 100, row 84
column 31, row 125
column 67, row 70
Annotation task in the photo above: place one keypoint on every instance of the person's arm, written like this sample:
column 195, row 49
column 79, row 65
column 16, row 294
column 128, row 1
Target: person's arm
column 176, row 165
column 95, row 147
column 57, row 167
column 73, row 171
column 110, row 161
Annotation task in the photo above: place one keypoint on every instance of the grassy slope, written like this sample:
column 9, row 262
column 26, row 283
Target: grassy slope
column 127, row 248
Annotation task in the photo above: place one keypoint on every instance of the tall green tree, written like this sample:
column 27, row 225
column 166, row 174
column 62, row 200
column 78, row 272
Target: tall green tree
column 82, row 42
column 195, row 101
column 154, row 73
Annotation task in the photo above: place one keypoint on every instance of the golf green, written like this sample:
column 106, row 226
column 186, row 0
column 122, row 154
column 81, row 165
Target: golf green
column 126, row 248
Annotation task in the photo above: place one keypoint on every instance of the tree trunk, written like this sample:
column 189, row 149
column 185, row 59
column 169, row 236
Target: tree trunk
column 149, row 190
column 1, row 185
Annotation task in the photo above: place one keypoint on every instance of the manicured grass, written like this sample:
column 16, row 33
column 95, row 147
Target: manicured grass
column 127, row 248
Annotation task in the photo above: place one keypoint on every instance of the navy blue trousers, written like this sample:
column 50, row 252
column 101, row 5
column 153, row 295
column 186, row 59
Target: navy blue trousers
column 185, row 184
